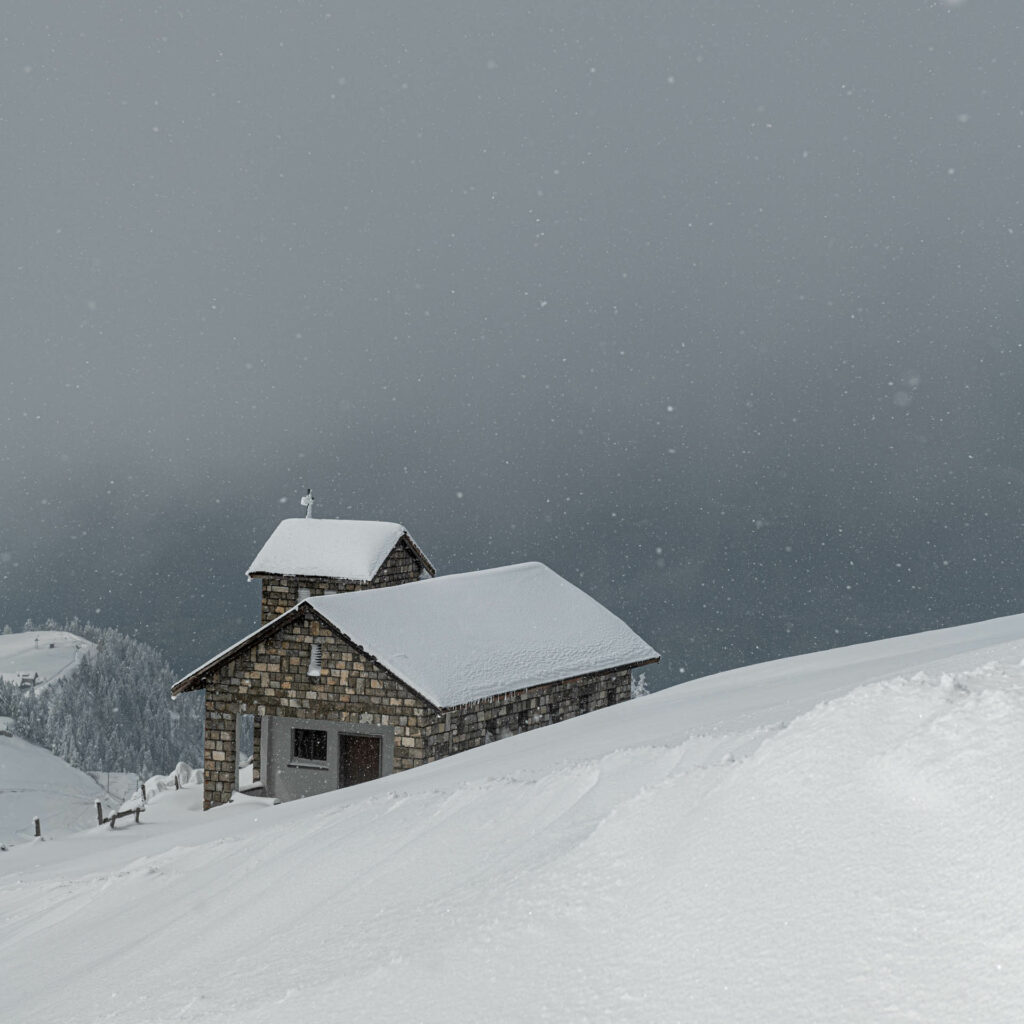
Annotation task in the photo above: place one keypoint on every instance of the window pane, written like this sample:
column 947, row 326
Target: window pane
column 309, row 744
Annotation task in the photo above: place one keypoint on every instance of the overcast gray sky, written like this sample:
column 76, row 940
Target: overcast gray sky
column 713, row 307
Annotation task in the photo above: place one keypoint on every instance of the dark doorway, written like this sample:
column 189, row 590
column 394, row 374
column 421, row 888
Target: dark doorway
column 360, row 759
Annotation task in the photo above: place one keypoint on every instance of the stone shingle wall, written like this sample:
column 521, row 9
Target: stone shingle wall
column 282, row 592
column 506, row 715
column 401, row 566
column 272, row 678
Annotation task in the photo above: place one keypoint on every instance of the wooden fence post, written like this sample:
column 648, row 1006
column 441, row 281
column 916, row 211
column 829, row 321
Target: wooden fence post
column 177, row 785
column 143, row 790
column 38, row 827
column 99, row 813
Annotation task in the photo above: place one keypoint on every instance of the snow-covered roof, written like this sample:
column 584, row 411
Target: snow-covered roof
column 346, row 549
column 457, row 639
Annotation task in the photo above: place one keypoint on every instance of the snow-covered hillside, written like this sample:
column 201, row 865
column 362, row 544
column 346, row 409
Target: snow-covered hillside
column 44, row 655
column 36, row 784
column 829, row 838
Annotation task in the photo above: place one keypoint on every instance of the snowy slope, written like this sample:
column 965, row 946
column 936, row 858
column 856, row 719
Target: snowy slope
column 51, row 654
column 35, row 783
column 729, row 850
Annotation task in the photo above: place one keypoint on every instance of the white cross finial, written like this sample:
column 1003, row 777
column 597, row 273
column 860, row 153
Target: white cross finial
column 307, row 499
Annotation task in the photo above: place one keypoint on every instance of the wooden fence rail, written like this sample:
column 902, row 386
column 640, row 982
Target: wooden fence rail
column 100, row 820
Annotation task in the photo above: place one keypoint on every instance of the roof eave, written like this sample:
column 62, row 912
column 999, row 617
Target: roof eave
column 550, row 682
column 259, row 574
column 418, row 552
column 640, row 664
column 196, row 679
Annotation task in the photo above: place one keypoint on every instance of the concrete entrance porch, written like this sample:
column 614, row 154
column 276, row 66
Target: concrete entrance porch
column 304, row 756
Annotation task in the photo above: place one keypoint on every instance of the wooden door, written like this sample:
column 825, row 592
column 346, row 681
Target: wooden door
column 360, row 759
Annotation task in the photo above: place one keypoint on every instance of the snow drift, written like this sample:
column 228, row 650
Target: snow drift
column 830, row 838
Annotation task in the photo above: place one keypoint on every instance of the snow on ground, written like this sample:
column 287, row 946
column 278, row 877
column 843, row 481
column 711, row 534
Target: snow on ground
column 35, row 783
column 50, row 654
column 829, row 838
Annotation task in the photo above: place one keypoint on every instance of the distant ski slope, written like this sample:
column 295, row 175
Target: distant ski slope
column 50, row 654
column 831, row 838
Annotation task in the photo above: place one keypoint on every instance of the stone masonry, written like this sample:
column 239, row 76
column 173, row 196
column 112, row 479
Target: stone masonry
column 271, row 678
column 282, row 592
column 470, row 725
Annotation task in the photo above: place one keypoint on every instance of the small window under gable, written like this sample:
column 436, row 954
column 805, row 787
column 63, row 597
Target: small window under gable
column 315, row 657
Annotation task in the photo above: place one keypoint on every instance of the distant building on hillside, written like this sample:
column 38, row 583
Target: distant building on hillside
column 364, row 664
column 28, row 680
